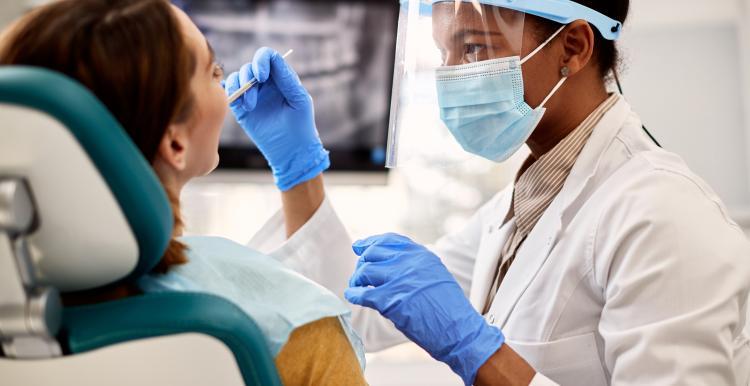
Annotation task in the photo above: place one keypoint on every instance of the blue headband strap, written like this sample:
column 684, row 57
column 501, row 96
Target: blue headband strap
column 560, row 11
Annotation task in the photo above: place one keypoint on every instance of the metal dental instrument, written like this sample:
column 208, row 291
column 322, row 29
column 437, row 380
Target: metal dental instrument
column 237, row 94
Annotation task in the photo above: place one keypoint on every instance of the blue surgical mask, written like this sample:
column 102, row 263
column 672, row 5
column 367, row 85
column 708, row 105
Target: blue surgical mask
column 483, row 105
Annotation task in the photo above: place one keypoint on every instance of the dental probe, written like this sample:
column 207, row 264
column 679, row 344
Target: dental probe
column 249, row 84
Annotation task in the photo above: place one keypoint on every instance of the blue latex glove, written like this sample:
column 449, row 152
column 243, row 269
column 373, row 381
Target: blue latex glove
column 409, row 285
column 278, row 115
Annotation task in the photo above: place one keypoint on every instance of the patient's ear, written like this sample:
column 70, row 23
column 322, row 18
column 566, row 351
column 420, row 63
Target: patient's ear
column 173, row 147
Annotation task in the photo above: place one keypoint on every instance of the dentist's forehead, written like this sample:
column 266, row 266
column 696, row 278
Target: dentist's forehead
column 454, row 22
column 454, row 16
column 467, row 10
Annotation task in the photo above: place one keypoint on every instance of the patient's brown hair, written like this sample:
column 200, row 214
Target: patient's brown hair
column 130, row 53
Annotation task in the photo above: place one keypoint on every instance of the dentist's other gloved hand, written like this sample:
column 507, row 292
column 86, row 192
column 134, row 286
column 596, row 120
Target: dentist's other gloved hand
column 278, row 115
column 409, row 285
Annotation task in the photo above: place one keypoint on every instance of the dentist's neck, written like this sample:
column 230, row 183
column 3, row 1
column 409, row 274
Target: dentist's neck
column 566, row 110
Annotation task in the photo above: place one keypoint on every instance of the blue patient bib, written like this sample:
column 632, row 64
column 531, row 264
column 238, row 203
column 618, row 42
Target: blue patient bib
column 278, row 299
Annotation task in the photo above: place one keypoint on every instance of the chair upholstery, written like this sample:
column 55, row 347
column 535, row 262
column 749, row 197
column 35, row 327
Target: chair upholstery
column 64, row 145
column 92, row 327
column 121, row 168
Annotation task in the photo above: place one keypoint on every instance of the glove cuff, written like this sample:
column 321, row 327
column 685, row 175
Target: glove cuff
column 303, row 166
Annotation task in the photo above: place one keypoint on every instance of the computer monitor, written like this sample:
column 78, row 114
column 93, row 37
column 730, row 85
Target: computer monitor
column 344, row 53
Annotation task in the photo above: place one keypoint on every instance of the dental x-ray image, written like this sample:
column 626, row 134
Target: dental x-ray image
column 343, row 52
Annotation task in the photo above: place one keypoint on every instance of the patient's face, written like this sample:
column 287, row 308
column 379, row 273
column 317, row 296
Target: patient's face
column 210, row 107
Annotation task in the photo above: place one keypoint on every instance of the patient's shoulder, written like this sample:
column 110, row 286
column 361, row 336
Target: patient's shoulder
column 212, row 247
column 319, row 353
column 276, row 297
column 247, row 268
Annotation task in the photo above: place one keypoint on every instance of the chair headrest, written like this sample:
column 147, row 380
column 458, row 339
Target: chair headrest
column 103, row 215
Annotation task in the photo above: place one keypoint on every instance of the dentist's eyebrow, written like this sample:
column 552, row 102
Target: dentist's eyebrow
column 463, row 33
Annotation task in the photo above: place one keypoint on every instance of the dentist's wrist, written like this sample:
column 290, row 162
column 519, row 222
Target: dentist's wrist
column 505, row 367
column 301, row 167
column 301, row 203
column 468, row 359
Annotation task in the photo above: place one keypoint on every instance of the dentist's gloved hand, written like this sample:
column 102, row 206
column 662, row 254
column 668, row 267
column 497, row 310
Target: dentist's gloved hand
column 409, row 285
column 278, row 115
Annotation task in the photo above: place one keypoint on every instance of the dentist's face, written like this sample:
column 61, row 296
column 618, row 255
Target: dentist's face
column 468, row 32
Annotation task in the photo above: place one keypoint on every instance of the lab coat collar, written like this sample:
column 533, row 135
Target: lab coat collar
column 588, row 161
column 536, row 248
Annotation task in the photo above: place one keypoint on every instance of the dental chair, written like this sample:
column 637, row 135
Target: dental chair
column 81, row 209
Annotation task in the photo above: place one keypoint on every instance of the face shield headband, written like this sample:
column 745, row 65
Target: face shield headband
column 560, row 11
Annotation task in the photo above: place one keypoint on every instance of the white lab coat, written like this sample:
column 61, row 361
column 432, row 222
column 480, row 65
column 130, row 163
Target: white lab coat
column 635, row 274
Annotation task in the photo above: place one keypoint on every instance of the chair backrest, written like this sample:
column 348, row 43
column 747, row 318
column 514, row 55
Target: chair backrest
column 106, row 215
column 80, row 208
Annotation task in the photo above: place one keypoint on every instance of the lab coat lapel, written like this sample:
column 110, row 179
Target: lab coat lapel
column 489, row 254
column 529, row 259
column 588, row 161
column 535, row 250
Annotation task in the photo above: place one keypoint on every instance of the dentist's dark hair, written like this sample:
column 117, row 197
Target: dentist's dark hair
column 605, row 51
column 130, row 53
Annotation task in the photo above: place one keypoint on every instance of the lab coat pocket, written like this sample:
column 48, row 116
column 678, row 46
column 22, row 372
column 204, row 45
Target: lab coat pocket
column 742, row 359
column 568, row 361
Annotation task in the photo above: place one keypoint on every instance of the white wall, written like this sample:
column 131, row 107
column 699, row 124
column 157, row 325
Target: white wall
column 9, row 10
column 687, row 74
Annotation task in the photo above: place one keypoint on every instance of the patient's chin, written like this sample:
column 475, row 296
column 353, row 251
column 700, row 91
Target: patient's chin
column 214, row 166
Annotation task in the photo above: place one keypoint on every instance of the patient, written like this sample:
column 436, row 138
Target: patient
column 153, row 69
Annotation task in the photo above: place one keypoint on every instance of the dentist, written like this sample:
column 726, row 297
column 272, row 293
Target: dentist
column 606, row 262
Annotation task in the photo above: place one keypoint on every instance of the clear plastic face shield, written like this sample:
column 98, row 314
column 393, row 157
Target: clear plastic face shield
column 458, row 88
column 433, row 39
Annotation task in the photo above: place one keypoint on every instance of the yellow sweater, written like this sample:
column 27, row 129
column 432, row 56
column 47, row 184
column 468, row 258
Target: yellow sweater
column 319, row 353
